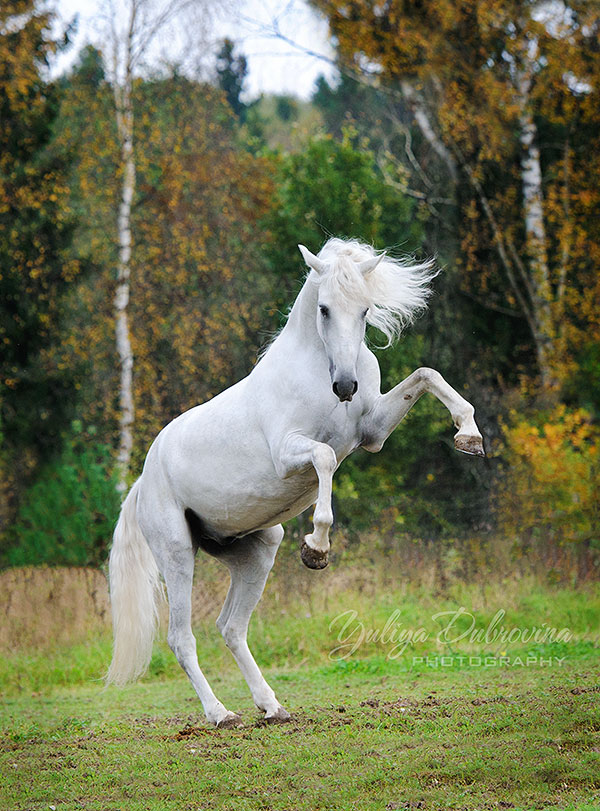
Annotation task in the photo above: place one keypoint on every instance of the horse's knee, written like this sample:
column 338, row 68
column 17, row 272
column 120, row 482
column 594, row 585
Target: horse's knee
column 323, row 516
column 272, row 536
column 324, row 458
column 425, row 375
column 232, row 635
column 183, row 645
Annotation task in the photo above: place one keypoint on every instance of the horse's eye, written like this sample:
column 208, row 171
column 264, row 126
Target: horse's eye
column 364, row 315
column 324, row 311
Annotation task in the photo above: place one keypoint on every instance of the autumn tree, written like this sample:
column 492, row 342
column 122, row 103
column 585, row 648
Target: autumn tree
column 35, row 229
column 204, row 290
column 485, row 83
column 203, row 297
column 548, row 494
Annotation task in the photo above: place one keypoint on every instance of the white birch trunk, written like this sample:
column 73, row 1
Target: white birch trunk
column 535, row 235
column 121, row 301
column 124, row 114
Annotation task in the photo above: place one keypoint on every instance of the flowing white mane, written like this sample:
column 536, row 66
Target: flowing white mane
column 395, row 291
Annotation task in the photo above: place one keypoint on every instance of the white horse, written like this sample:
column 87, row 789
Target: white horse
column 225, row 475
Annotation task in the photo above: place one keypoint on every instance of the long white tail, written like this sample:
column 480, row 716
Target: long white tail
column 135, row 591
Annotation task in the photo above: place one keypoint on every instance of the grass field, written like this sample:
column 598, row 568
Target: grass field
column 449, row 724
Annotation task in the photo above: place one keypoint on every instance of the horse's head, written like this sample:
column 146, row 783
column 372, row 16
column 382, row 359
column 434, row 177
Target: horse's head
column 342, row 309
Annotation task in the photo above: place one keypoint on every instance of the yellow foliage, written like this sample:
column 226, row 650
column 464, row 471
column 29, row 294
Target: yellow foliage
column 550, row 488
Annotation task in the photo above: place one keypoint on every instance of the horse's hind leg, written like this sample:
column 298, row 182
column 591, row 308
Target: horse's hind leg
column 250, row 560
column 175, row 557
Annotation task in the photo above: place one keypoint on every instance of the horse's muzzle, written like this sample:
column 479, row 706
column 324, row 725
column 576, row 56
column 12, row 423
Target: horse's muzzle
column 345, row 389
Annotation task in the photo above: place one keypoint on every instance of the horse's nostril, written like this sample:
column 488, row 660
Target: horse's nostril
column 345, row 389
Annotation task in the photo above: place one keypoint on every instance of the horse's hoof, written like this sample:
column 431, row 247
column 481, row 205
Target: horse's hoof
column 313, row 558
column 472, row 445
column 280, row 716
column 231, row 721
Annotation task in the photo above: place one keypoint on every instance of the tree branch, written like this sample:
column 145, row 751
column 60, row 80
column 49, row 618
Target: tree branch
column 498, row 239
column 417, row 105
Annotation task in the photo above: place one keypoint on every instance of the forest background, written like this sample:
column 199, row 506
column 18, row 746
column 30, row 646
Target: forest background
column 460, row 129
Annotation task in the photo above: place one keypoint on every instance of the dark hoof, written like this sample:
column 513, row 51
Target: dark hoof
column 231, row 721
column 313, row 558
column 280, row 716
column 472, row 445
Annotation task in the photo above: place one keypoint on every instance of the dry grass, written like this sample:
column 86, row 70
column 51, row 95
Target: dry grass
column 42, row 606
column 45, row 608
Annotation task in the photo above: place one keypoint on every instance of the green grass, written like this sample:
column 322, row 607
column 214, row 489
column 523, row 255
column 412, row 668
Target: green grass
column 362, row 738
column 448, row 725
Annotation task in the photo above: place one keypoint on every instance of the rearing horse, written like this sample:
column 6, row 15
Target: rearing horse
column 225, row 475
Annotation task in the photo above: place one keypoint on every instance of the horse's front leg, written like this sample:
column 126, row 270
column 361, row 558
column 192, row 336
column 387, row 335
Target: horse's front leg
column 391, row 408
column 297, row 454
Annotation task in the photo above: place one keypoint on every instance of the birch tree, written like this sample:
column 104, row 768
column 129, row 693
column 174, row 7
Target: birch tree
column 131, row 28
column 537, row 282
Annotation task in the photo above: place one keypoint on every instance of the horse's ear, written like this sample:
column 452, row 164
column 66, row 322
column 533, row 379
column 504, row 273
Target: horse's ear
column 311, row 260
column 369, row 265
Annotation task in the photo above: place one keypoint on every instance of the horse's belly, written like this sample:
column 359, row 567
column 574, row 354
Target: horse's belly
column 239, row 507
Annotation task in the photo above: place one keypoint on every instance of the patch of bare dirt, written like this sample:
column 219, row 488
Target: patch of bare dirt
column 190, row 731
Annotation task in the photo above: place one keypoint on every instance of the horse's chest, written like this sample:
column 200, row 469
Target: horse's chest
column 341, row 432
